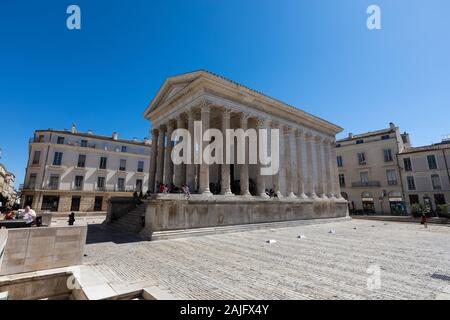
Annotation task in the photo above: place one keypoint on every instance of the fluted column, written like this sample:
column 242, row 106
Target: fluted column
column 190, row 166
column 288, row 163
column 226, row 188
column 310, row 176
column 301, row 163
column 328, row 176
column 160, row 157
column 260, row 179
column 244, row 167
column 319, row 167
column 276, row 176
column 168, row 164
column 204, row 167
column 154, row 152
column 178, row 169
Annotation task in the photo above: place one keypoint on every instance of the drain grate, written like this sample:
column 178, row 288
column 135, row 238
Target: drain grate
column 440, row 276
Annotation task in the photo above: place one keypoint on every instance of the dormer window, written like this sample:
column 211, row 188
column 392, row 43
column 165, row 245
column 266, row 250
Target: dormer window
column 359, row 141
column 124, row 149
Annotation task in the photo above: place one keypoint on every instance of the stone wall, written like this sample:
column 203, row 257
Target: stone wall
column 32, row 249
column 166, row 214
column 118, row 207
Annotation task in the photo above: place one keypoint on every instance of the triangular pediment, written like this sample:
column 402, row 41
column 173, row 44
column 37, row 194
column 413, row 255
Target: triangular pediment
column 171, row 87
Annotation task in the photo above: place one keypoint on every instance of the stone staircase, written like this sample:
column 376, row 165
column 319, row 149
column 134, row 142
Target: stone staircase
column 131, row 222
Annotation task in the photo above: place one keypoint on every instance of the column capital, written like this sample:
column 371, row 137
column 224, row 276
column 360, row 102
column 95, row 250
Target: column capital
column 205, row 106
column 154, row 132
column 299, row 133
column 226, row 113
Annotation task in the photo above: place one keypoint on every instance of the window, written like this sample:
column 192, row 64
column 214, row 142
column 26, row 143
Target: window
column 84, row 143
column 436, row 182
column 123, row 165
column 439, row 199
column 103, row 162
column 81, row 161
column 138, row 185
column 36, row 157
column 342, row 180
column 391, row 177
column 53, row 183
column 359, row 141
column 140, row 166
column 413, row 199
column 338, row 145
column 432, row 164
column 32, row 181
column 364, row 177
column 60, row 140
column 407, row 164
column 121, row 184
column 75, row 205
column 57, row 159
column 101, row 183
column 79, row 182
column 98, row 203
column 124, row 149
column 411, row 183
column 361, row 158
column 385, row 137
column 339, row 161
column 387, row 155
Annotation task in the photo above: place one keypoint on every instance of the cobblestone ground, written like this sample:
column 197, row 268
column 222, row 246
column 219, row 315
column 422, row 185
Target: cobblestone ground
column 321, row 266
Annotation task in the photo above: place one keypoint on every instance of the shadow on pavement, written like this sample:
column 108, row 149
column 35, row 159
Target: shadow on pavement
column 98, row 233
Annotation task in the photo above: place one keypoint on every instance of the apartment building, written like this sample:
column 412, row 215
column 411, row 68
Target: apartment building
column 426, row 175
column 72, row 171
column 369, row 173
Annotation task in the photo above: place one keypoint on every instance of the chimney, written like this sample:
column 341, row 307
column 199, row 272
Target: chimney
column 90, row 132
column 115, row 136
column 350, row 135
column 391, row 125
column 147, row 141
column 74, row 128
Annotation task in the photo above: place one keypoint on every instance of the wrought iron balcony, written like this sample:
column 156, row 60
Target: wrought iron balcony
column 365, row 184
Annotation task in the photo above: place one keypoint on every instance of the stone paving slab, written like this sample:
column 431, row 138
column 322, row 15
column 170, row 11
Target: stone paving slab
column 321, row 265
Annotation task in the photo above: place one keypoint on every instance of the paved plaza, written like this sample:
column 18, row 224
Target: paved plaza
column 414, row 262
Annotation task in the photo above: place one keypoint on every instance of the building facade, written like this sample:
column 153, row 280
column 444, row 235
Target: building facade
column 8, row 193
column 71, row 171
column 369, row 174
column 426, row 175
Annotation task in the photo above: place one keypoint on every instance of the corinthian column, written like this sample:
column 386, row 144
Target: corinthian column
column 301, row 163
column 178, row 177
column 160, row 157
column 152, row 173
column 328, row 176
column 226, row 188
column 260, row 179
column 288, row 163
column 276, row 177
column 204, row 167
column 190, row 166
column 244, row 167
column 310, row 176
column 168, row 164
column 319, row 166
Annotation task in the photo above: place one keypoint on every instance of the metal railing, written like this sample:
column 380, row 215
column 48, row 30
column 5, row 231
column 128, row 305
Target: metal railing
column 364, row 184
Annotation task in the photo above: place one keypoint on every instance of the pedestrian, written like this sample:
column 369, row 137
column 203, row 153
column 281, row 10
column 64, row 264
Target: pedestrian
column 424, row 220
column 71, row 220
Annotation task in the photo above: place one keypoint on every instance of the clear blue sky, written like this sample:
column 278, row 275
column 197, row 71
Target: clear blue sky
column 316, row 55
